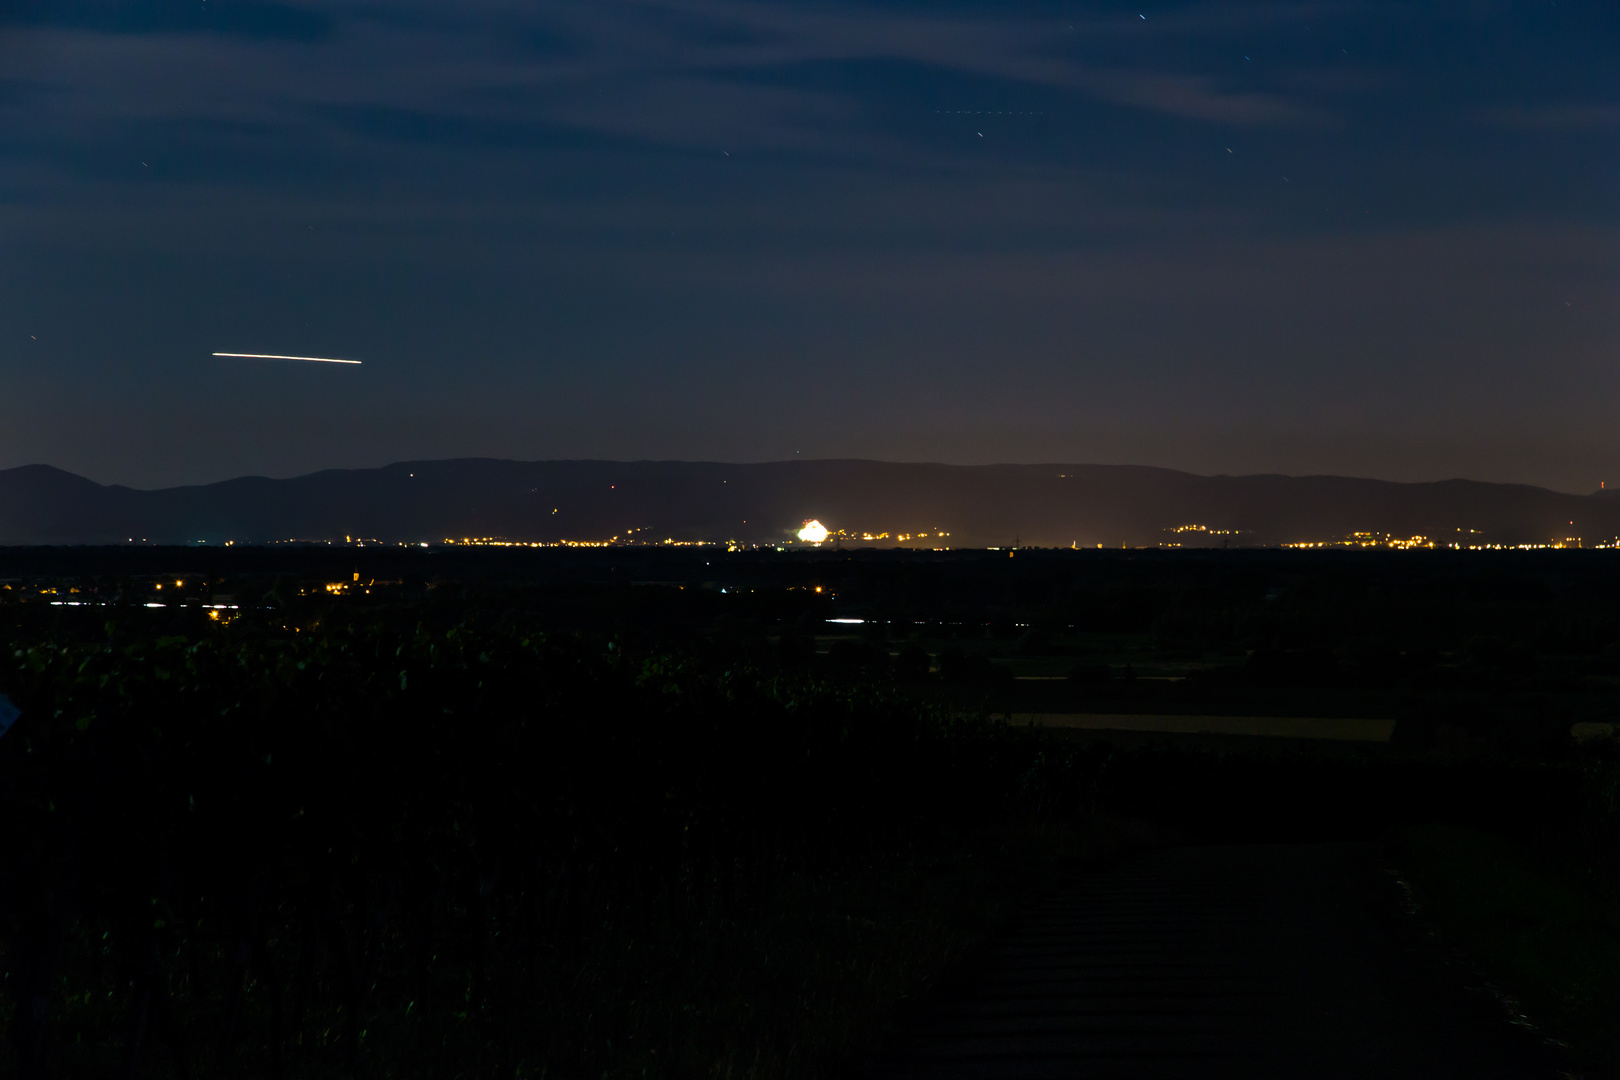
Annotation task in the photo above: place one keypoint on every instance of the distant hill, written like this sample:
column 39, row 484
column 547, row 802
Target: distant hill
column 978, row 506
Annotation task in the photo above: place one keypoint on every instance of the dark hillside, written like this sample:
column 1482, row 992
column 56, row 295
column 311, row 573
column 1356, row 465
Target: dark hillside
column 973, row 506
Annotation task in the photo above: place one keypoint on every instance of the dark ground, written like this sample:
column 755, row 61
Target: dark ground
column 734, row 686
column 1297, row 960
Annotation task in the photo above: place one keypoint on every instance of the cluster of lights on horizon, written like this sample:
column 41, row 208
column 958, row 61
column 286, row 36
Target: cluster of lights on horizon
column 813, row 533
column 1369, row 540
column 1385, row 540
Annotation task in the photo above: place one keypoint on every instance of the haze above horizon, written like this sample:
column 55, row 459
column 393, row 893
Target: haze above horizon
column 1219, row 237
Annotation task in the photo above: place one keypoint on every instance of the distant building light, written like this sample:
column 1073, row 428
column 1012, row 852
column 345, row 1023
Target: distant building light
column 848, row 622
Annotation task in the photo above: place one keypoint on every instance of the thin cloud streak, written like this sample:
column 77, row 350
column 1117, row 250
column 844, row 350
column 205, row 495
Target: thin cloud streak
column 678, row 74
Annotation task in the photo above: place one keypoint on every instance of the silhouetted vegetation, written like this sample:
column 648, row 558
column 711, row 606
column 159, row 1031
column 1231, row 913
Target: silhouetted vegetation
column 635, row 814
column 425, row 852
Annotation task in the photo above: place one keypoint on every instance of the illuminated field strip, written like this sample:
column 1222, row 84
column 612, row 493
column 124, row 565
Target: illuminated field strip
column 272, row 356
column 1288, row 727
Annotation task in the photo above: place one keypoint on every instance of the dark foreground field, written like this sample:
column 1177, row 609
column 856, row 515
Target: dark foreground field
column 333, row 814
column 1216, row 961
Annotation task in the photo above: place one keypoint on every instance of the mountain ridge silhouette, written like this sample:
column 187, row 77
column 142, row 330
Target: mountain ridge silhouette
column 586, row 500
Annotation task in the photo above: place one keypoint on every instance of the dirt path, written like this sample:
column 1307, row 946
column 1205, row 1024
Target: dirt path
column 1243, row 961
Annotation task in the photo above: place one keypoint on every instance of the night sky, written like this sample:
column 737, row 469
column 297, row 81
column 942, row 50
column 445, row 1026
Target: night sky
column 1361, row 237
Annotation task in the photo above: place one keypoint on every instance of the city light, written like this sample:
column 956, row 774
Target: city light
column 1370, row 540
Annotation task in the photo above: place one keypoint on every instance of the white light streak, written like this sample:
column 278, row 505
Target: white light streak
column 272, row 356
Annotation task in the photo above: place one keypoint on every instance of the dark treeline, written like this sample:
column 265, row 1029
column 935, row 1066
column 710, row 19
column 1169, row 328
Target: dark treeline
column 1361, row 606
column 384, row 833
column 428, row 842
column 610, row 817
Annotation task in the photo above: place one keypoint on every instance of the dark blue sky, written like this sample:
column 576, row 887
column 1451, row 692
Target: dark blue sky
column 1375, row 238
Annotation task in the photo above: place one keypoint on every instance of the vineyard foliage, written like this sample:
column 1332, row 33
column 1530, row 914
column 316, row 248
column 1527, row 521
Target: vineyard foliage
column 366, row 850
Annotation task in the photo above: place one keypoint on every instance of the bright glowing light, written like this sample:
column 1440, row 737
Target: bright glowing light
column 814, row 532
column 273, row 356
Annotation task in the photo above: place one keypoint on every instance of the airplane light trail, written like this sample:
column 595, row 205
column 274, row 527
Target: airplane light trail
column 272, row 356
